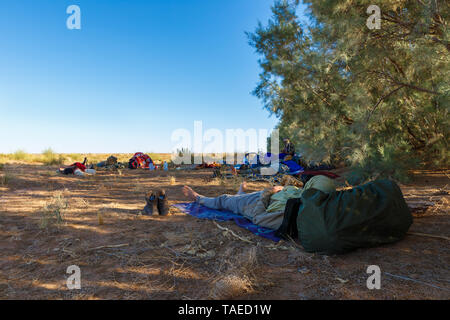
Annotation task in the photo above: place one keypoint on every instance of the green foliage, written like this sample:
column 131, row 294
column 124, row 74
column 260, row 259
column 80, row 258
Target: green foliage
column 6, row 179
column 50, row 158
column 157, row 156
column 19, row 155
column 375, row 99
column 52, row 212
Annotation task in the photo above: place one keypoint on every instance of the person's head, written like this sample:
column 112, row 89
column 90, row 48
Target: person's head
column 286, row 141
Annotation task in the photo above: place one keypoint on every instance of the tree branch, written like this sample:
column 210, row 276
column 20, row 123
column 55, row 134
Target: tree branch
column 381, row 100
column 446, row 44
column 416, row 88
column 411, row 86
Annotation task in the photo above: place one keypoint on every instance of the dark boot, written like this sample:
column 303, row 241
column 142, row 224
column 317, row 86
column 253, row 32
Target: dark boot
column 152, row 204
column 163, row 203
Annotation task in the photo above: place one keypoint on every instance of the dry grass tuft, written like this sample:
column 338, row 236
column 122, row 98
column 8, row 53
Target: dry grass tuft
column 19, row 155
column 49, row 174
column 249, row 259
column 6, row 178
column 100, row 218
column 50, row 158
column 52, row 212
column 231, row 183
column 172, row 180
column 82, row 203
column 231, row 286
column 138, row 187
column 239, row 279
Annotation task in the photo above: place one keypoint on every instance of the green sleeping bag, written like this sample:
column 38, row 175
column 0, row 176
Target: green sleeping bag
column 366, row 216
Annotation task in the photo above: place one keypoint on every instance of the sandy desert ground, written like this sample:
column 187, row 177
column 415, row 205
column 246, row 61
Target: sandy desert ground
column 123, row 255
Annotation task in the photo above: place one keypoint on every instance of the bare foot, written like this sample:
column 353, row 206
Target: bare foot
column 189, row 193
column 242, row 188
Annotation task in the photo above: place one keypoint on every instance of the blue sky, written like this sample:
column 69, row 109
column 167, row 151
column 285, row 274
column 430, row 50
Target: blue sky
column 136, row 71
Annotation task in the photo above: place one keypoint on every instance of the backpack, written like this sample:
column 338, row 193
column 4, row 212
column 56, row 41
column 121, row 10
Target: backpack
column 333, row 223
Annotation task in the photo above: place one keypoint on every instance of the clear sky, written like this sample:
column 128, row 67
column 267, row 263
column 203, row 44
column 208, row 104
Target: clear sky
column 135, row 72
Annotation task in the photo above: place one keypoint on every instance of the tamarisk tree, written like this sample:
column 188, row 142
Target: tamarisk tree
column 374, row 98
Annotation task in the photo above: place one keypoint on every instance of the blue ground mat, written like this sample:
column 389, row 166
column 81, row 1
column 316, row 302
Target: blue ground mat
column 202, row 212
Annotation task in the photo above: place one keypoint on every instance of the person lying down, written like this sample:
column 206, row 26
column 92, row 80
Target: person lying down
column 264, row 208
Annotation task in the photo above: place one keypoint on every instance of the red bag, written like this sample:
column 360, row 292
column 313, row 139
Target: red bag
column 79, row 165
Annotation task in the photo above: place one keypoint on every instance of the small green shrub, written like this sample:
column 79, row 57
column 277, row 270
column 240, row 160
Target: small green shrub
column 6, row 178
column 72, row 157
column 52, row 212
column 20, row 155
column 50, row 158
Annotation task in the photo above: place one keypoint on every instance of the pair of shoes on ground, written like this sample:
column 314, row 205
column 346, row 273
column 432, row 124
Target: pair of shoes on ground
column 156, row 202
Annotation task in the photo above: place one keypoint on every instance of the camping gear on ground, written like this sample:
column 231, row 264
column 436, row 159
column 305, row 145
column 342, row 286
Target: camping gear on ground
column 272, row 179
column 252, row 160
column 101, row 164
column 270, row 166
column 78, row 172
column 205, row 165
column 202, row 212
column 274, row 168
column 317, row 167
column 294, row 167
column 139, row 160
column 366, row 216
column 110, row 163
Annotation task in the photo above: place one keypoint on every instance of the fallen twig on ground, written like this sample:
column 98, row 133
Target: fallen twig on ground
column 69, row 252
column 270, row 247
column 428, row 235
column 110, row 246
column 232, row 233
column 414, row 280
column 291, row 261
